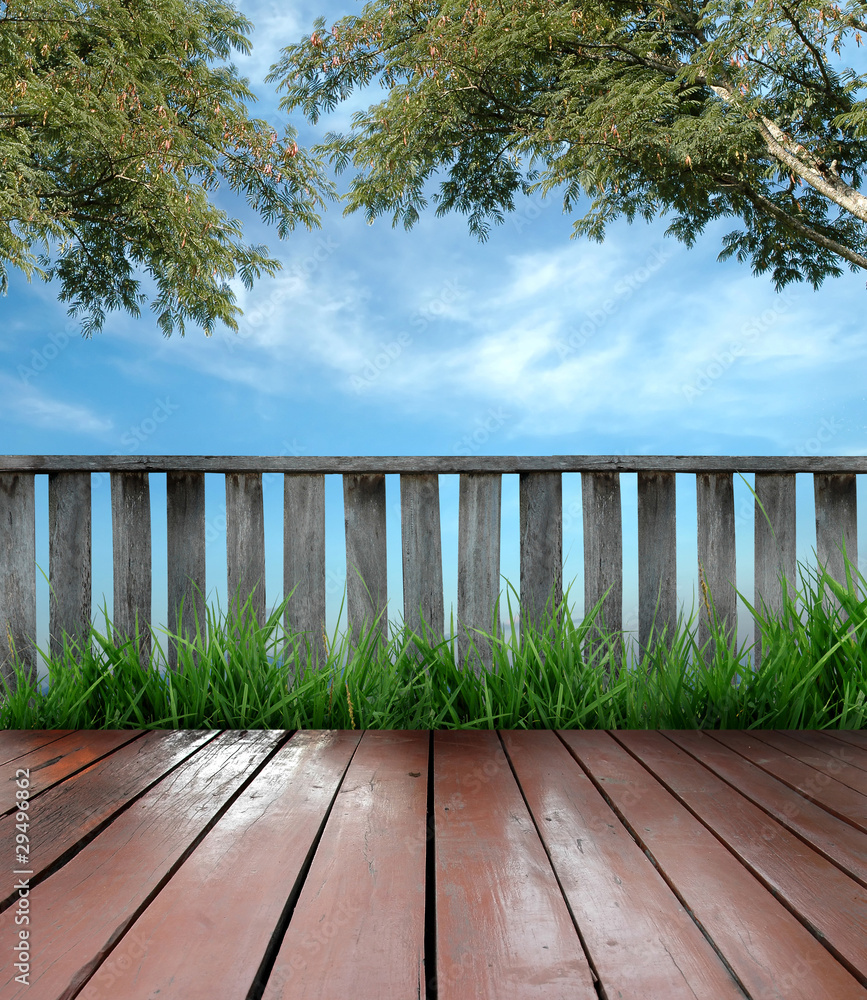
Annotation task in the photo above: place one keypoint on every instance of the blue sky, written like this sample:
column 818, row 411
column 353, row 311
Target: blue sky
column 378, row 341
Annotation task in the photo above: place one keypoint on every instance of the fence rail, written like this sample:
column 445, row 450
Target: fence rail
column 541, row 528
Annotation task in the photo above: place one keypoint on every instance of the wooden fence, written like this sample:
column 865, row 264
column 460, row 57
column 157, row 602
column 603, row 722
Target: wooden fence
column 541, row 523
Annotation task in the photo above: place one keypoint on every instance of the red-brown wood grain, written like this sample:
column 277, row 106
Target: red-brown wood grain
column 642, row 942
column 358, row 926
column 825, row 740
column 79, row 913
column 834, row 765
column 188, row 943
column 503, row 929
column 836, row 840
column 772, row 954
column 832, row 905
column 17, row 742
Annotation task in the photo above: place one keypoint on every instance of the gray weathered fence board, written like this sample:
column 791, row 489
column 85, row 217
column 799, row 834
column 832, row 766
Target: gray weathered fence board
column 657, row 557
column 304, row 560
column 366, row 568
column 245, row 540
column 479, row 502
column 836, row 523
column 603, row 553
column 541, row 529
column 421, row 539
column 18, row 573
column 432, row 463
column 775, row 543
column 69, row 557
column 716, row 551
column 131, row 547
column 185, row 534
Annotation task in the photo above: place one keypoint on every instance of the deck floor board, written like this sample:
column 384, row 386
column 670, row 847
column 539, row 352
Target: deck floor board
column 517, row 865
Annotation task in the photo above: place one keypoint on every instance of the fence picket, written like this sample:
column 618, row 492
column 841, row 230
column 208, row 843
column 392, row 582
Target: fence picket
column 185, row 534
column 479, row 504
column 836, row 524
column 422, row 553
column 366, row 571
column 657, row 557
column 69, row 557
column 603, row 556
column 541, row 528
column 715, row 501
column 131, row 551
column 245, row 540
column 18, row 573
column 775, row 544
column 304, row 560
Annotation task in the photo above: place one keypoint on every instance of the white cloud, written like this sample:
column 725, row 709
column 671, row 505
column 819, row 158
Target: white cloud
column 25, row 404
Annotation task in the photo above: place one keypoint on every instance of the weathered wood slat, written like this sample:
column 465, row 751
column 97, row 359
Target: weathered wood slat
column 185, row 524
column 541, row 528
column 716, row 555
column 174, row 949
column 17, row 575
column 304, row 560
column 603, row 561
column 479, row 503
column 358, row 924
column 245, row 541
column 131, row 545
column 632, row 914
column 832, row 795
column 15, row 743
column 498, row 464
column 773, row 955
column 657, row 558
column 503, row 931
column 421, row 538
column 836, row 840
column 775, row 545
column 142, row 845
column 836, row 526
column 825, row 740
column 366, row 567
column 834, row 766
column 69, row 557
column 825, row 899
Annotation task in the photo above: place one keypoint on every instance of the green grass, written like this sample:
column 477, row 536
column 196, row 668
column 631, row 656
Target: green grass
column 236, row 675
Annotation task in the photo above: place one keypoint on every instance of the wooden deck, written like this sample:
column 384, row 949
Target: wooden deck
column 571, row 865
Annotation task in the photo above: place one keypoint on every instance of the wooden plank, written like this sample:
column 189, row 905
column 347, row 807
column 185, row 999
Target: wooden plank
column 358, row 926
column 774, row 545
column 451, row 464
column 541, row 532
column 770, row 952
column 836, row 840
column 503, row 931
column 836, row 766
column 17, row 575
column 56, row 761
column 421, row 539
column 825, row 791
column 603, row 557
column 69, row 557
column 185, row 534
column 15, row 743
column 245, row 541
column 641, row 941
column 176, row 947
column 63, row 817
column 828, row 740
column 77, row 915
column 826, row 900
column 304, row 560
column 854, row 737
column 479, row 503
column 836, row 526
column 131, row 549
column 716, row 555
column 657, row 558
column 366, row 567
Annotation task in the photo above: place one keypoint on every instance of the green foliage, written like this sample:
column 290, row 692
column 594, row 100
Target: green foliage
column 116, row 124
column 720, row 109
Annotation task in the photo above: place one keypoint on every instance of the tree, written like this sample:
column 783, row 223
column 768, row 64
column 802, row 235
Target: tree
column 115, row 128
column 718, row 109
